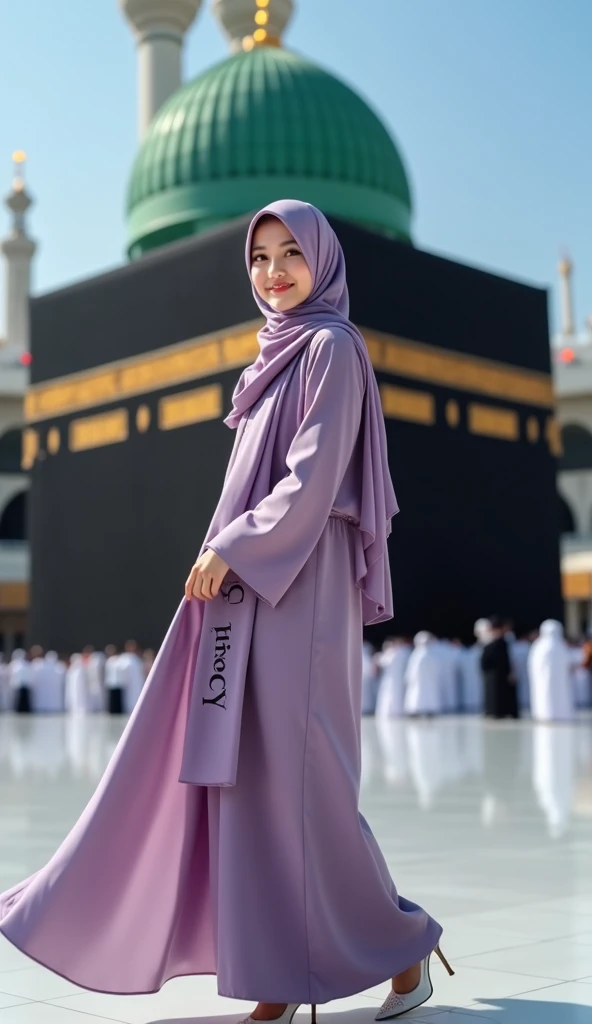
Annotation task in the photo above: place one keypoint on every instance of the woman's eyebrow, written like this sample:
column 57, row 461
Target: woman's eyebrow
column 283, row 245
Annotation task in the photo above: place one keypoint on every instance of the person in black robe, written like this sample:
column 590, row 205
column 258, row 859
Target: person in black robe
column 21, row 682
column 500, row 682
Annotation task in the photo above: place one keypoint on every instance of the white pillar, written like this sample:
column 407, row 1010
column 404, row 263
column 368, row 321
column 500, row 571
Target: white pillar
column 159, row 27
column 572, row 618
column 18, row 250
column 566, row 295
column 18, row 253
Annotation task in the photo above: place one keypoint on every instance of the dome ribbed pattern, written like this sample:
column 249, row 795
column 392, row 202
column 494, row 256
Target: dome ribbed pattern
column 259, row 118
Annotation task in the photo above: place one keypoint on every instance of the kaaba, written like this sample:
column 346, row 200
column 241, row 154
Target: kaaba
column 133, row 372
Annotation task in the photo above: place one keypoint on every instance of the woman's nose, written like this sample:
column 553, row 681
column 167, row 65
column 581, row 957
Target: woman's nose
column 276, row 268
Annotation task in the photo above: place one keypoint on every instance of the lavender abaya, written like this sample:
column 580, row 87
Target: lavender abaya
column 269, row 878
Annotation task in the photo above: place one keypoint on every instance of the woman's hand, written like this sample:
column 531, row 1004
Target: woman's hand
column 206, row 576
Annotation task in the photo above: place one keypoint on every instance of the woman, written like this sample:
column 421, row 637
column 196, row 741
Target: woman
column 244, row 864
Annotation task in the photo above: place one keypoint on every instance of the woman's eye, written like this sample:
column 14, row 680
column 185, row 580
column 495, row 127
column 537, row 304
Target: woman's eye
column 260, row 257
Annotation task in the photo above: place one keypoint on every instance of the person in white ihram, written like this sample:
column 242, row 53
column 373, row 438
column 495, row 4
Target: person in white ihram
column 94, row 663
column 549, row 673
column 580, row 675
column 369, row 679
column 77, row 691
column 131, row 672
column 471, row 676
column 48, row 680
column 5, row 699
column 450, row 653
column 424, row 677
column 392, row 660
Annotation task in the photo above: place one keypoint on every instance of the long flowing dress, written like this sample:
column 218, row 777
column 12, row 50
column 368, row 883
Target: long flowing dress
column 276, row 884
column 295, row 805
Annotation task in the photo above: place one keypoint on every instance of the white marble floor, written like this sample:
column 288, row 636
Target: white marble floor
column 489, row 826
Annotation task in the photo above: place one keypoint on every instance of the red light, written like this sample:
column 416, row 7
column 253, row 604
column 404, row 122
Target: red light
column 567, row 355
column 26, row 359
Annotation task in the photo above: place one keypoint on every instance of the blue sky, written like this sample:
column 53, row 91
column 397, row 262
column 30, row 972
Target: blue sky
column 488, row 99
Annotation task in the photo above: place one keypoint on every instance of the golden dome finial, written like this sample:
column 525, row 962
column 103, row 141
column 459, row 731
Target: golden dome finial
column 565, row 265
column 251, row 23
column 19, row 158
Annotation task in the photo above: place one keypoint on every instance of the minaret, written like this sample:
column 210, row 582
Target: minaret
column 159, row 27
column 250, row 23
column 18, row 250
column 565, row 268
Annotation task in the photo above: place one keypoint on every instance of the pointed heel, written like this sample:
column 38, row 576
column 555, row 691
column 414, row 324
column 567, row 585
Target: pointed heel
column 313, row 1013
column 443, row 959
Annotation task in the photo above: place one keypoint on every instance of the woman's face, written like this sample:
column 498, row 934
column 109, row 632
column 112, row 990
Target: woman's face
column 279, row 271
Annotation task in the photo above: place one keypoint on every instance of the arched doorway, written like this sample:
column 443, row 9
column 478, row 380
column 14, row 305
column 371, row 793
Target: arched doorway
column 567, row 522
column 13, row 519
column 10, row 451
column 577, row 448
column 14, row 598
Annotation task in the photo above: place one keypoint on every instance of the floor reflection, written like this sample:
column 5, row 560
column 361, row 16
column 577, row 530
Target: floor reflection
column 510, row 768
column 514, row 766
column 486, row 825
column 57, row 746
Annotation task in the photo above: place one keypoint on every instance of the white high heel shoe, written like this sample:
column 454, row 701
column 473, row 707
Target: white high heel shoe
column 397, row 1003
column 286, row 1017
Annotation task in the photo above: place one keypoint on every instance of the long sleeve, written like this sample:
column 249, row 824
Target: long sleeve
column 267, row 546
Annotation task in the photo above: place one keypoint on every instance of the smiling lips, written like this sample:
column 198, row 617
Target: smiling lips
column 279, row 289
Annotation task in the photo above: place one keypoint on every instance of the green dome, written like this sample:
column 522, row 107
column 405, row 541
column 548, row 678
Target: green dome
column 264, row 125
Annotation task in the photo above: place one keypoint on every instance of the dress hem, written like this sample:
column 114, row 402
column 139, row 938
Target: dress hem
column 342, row 994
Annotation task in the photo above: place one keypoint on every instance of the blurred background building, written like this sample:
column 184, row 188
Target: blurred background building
column 18, row 249
column 572, row 350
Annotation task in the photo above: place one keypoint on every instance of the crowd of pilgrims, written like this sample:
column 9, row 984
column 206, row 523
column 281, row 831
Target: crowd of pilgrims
column 542, row 674
column 92, row 681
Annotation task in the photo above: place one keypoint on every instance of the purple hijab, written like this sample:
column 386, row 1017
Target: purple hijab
column 282, row 338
